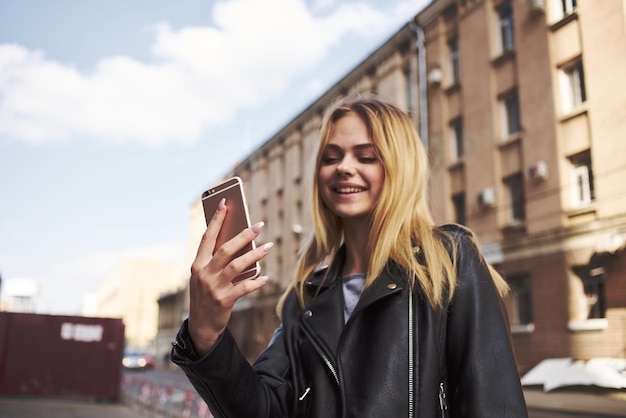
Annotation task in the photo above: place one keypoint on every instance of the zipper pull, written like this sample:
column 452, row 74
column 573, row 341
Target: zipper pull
column 443, row 401
column 306, row 392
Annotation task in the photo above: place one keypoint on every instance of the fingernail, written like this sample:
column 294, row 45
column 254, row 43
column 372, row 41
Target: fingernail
column 266, row 247
column 222, row 204
column 256, row 228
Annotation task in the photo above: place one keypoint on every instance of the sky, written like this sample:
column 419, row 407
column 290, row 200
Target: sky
column 115, row 115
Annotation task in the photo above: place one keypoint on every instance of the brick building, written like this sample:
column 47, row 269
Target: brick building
column 521, row 104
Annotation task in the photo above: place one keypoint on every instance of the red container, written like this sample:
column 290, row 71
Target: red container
column 60, row 356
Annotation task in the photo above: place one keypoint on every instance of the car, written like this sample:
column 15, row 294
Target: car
column 137, row 360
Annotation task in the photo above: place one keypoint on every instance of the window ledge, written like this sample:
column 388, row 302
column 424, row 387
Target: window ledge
column 579, row 211
column 578, row 111
column 564, row 21
column 504, row 56
column 514, row 138
column 514, row 228
column 514, row 225
column 453, row 88
column 523, row 328
column 456, row 164
column 595, row 324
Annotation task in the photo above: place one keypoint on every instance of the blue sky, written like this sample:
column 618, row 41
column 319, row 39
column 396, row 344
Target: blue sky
column 115, row 115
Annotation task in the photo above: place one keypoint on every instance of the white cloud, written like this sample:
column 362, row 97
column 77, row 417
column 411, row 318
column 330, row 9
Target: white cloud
column 200, row 78
column 321, row 6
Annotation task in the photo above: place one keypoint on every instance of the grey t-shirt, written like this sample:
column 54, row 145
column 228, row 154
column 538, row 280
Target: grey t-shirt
column 352, row 288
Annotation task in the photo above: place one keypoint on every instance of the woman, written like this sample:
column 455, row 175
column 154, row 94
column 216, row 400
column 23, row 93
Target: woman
column 406, row 321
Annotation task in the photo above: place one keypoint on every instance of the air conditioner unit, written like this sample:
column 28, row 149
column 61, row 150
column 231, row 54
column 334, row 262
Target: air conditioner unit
column 487, row 197
column 538, row 171
column 297, row 229
column 435, row 76
column 537, row 5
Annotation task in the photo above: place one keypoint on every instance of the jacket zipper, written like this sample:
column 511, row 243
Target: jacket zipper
column 325, row 359
column 306, row 392
column 443, row 401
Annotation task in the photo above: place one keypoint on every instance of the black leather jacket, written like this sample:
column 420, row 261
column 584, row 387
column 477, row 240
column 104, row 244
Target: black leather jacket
column 389, row 360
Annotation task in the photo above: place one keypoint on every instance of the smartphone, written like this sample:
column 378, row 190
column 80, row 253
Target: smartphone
column 237, row 218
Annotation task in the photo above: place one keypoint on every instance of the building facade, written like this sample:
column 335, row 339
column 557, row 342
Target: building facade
column 521, row 105
column 19, row 295
column 131, row 290
column 526, row 136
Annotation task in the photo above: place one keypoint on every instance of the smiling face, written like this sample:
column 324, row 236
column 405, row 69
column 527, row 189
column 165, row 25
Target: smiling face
column 350, row 175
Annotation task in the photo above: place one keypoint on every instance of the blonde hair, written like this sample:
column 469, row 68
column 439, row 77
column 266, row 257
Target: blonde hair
column 401, row 223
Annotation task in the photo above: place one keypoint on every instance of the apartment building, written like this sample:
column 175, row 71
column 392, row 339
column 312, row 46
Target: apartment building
column 527, row 138
column 521, row 104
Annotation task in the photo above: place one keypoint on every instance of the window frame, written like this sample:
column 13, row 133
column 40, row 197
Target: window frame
column 454, row 61
column 582, row 191
column 572, row 83
column 593, row 280
column 568, row 7
column 560, row 11
column 457, row 144
column 515, row 200
column 409, row 88
column 521, row 302
column 510, row 115
column 459, row 203
column 505, row 27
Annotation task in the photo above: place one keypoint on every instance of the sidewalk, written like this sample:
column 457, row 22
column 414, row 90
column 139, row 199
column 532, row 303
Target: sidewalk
column 19, row 407
column 579, row 402
column 595, row 402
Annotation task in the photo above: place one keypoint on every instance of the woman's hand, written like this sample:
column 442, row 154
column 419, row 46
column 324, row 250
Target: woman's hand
column 211, row 291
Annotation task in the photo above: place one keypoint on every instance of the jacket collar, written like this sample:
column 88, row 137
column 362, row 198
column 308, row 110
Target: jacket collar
column 391, row 280
column 323, row 313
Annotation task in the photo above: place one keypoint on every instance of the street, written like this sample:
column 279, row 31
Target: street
column 560, row 414
column 162, row 393
column 168, row 393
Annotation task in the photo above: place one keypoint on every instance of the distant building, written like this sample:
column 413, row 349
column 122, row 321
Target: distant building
column 131, row 292
column 19, row 295
column 173, row 309
column 89, row 306
column 521, row 106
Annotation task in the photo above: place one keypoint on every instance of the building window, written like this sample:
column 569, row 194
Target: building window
column 506, row 37
column 458, row 201
column 456, row 139
column 582, row 188
column 572, row 80
column 410, row 92
column 455, row 63
column 521, row 298
column 568, row 6
column 515, row 200
column 510, row 115
column 560, row 9
column 593, row 302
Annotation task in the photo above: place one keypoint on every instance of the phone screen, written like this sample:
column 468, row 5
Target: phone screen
column 237, row 218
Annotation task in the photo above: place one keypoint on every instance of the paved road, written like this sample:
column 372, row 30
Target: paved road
column 58, row 408
column 577, row 403
column 42, row 408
